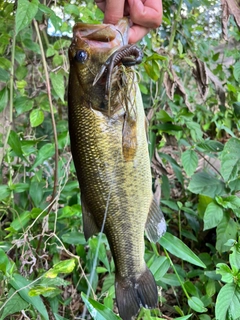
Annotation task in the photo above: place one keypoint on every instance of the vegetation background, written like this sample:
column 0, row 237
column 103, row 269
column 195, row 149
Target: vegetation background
column 190, row 82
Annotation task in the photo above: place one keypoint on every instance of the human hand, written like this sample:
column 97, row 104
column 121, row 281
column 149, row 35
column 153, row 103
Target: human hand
column 144, row 14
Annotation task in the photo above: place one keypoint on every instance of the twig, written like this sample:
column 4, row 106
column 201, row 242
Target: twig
column 55, row 185
column 11, row 83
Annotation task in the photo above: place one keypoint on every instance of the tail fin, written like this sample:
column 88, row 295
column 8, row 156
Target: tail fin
column 135, row 292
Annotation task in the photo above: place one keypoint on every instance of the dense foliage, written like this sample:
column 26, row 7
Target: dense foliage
column 190, row 81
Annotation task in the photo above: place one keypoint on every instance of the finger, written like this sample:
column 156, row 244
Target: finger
column 101, row 4
column 136, row 33
column 146, row 13
column 113, row 11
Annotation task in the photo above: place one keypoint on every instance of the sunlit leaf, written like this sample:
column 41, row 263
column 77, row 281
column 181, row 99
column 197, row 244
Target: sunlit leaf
column 36, row 117
column 65, row 266
column 176, row 247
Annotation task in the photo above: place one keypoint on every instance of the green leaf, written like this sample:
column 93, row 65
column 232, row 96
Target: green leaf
column 74, row 238
column 234, row 257
column 23, row 104
column 4, row 75
column 166, row 127
column 184, row 317
column 58, row 317
column 36, row 117
column 46, row 152
column 36, row 192
column 5, row 264
column 14, row 304
column 230, row 159
column 226, row 273
column 26, row 11
column 97, row 310
column 211, row 145
column 159, row 267
column 71, row 9
column 176, row 247
column 196, row 304
column 38, row 290
column 15, row 143
column 20, row 221
column 228, row 302
column 4, row 192
column 152, row 69
column 213, row 215
column 206, row 184
column 195, row 130
column 3, row 98
column 18, row 282
column 102, row 254
column 236, row 71
column 57, row 80
column 65, row 266
column 163, row 116
column 226, row 229
column 190, row 161
column 5, row 63
column 156, row 56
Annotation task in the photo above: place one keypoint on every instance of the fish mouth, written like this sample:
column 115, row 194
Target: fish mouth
column 102, row 36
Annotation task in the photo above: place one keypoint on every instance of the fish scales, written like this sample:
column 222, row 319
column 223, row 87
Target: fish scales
column 110, row 153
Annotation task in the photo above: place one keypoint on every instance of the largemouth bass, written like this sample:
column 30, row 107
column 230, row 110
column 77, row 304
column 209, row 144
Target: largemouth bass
column 110, row 151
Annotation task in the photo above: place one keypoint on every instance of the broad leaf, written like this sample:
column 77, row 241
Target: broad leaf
column 57, row 80
column 65, row 266
column 206, row 184
column 189, row 161
column 36, row 117
column 176, row 247
column 15, row 143
column 226, row 229
column 213, row 215
column 18, row 282
column 26, row 11
column 196, row 304
column 46, row 152
column 228, row 302
column 230, row 159
column 14, row 304
column 97, row 310
column 159, row 267
column 3, row 98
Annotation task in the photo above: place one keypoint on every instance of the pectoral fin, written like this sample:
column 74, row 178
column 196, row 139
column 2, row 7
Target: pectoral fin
column 89, row 225
column 155, row 225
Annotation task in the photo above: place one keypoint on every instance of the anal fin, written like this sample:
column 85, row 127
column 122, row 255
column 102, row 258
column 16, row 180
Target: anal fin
column 155, row 226
column 89, row 225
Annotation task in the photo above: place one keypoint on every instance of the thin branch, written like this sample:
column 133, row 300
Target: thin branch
column 55, row 185
column 11, row 85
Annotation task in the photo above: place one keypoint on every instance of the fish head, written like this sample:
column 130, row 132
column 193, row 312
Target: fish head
column 92, row 45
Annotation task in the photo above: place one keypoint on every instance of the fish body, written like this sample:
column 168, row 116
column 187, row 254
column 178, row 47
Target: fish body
column 110, row 153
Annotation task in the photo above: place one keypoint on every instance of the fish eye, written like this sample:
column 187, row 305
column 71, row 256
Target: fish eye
column 81, row 56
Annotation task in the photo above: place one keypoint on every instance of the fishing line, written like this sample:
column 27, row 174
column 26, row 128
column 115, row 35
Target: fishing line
column 99, row 241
